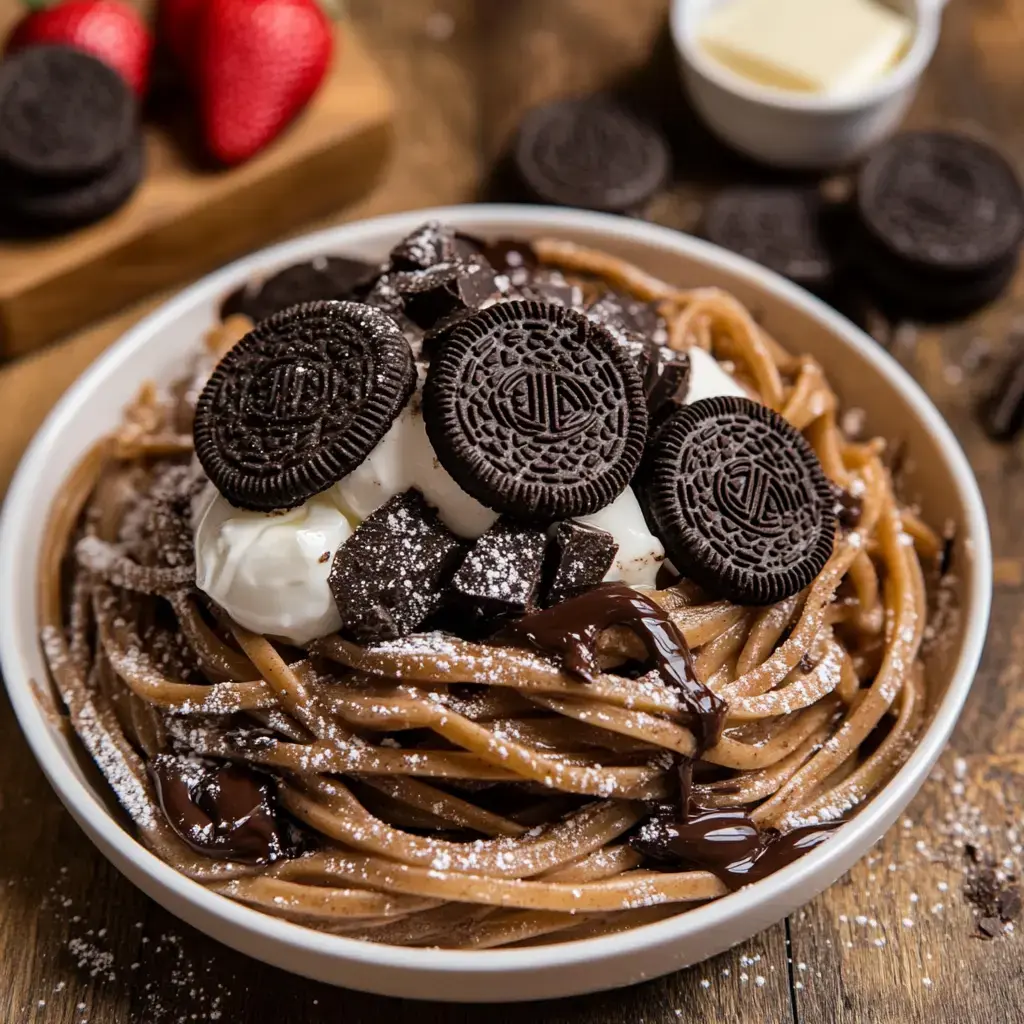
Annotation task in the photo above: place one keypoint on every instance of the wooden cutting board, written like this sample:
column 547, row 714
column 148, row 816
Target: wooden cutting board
column 186, row 219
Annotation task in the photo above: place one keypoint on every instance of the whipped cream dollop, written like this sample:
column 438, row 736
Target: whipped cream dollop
column 640, row 553
column 269, row 571
column 404, row 458
column 709, row 379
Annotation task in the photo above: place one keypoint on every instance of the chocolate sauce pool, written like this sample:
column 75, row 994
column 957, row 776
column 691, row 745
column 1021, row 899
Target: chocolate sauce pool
column 726, row 843
column 222, row 810
column 571, row 629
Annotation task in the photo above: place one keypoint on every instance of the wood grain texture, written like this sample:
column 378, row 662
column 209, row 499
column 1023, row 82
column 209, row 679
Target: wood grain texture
column 864, row 951
column 187, row 218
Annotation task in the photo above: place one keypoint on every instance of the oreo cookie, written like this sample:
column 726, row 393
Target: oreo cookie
column 63, row 114
column 300, row 401
column 781, row 229
column 393, row 572
column 535, row 411
column 591, row 153
column 739, row 500
column 940, row 219
column 325, row 277
column 39, row 203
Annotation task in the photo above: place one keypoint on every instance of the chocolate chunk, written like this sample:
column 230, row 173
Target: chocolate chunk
column 59, row 205
column 667, row 381
column 551, row 286
column 324, row 277
column 509, row 255
column 1002, row 414
column 502, row 572
column 444, row 290
column 592, row 153
column 63, row 114
column 222, row 810
column 619, row 312
column 739, row 500
column 535, row 411
column 581, row 555
column 640, row 329
column 848, row 508
column 429, row 244
column 779, row 228
column 392, row 573
column 941, row 218
column 300, row 401
column 996, row 900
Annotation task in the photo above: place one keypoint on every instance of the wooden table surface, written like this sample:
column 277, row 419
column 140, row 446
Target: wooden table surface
column 894, row 942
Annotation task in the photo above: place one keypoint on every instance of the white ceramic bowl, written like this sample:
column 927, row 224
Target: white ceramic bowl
column 867, row 377
column 790, row 129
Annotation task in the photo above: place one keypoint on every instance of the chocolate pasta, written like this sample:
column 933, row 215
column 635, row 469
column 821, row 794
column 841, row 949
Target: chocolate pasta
column 490, row 789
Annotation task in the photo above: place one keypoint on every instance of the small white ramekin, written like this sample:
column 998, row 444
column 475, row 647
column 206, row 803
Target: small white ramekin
column 937, row 474
column 791, row 129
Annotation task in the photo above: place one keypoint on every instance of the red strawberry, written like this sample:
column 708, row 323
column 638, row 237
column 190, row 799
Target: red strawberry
column 112, row 31
column 177, row 25
column 260, row 63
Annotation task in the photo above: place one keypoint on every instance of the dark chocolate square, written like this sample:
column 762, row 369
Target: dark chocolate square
column 501, row 574
column 393, row 572
column 580, row 557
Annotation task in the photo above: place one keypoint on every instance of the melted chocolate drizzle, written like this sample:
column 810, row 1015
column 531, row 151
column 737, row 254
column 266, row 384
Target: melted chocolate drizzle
column 221, row 810
column 571, row 629
column 724, row 841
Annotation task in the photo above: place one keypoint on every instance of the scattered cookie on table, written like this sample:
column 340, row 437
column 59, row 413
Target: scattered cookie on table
column 781, row 229
column 591, row 153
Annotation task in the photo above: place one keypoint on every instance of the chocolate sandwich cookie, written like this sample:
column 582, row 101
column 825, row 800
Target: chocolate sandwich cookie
column 535, row 411
column 300, row 401
column 324, row 277
column 941, row 218
column 63, row 114
column 45, row 204
column 782, row 229
column 591, row 153
column 740, row 501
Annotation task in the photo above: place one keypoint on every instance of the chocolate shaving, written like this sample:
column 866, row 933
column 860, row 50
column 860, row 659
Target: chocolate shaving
column 996, row 900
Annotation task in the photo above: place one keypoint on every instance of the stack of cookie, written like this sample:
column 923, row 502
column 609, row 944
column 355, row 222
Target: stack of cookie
column 941, row 219
column 70, row 146
column 933, row 231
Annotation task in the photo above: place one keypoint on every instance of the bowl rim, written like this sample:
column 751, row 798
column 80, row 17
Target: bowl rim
column 86, row 806
column 684, row 19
